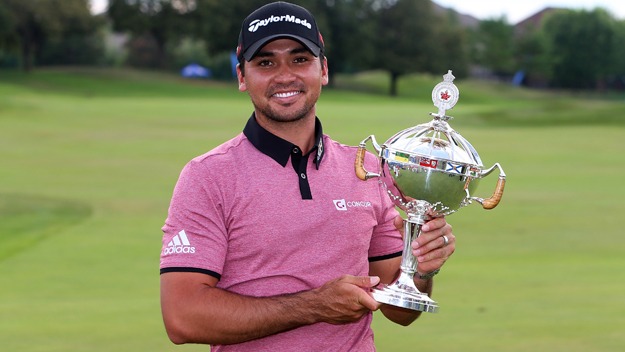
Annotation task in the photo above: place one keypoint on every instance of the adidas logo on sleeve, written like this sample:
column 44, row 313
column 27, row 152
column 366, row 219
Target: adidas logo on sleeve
column 179, row 244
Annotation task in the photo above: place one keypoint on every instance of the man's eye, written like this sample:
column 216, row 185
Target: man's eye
column 264, row 63
column 301, row 59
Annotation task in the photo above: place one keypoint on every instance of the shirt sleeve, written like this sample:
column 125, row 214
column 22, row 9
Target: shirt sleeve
column 195, row 234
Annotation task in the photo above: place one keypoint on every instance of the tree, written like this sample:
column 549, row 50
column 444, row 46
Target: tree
column 24, row 29
column 348, row 28
column 493, row 46
column 32, row 22
column 531, row 57
column 163, row 20
column 581, row 47
column 219, row 22
column 7, row 25
column 451, row 51
column 618, row 63
column 405, row 37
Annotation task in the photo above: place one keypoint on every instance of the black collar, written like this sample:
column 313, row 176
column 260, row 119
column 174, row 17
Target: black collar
column 277, row 148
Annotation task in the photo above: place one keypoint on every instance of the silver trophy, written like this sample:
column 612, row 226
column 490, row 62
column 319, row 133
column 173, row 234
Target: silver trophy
column 428, row 171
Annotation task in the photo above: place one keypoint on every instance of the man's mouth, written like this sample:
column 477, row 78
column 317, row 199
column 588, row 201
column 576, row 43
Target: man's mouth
column 286, row 94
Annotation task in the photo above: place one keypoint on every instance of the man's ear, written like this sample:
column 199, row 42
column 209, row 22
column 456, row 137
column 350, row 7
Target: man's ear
column 241, row 79
column 324, row 72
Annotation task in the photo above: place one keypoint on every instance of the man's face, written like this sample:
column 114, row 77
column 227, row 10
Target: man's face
column 284, row 81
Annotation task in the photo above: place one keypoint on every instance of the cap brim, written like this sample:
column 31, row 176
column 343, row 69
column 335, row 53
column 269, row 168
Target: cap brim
column 255, row 48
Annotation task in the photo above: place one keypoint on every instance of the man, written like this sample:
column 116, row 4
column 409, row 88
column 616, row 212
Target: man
column 263, row 254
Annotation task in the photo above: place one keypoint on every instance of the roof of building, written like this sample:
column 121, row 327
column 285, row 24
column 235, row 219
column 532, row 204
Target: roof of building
column 464, row 20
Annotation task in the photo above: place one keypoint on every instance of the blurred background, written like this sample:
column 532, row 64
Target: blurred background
column 103, row 102
column 560, row 47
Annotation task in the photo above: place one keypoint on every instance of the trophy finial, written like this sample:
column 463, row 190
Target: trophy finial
column 445, row 96
column 449, row 77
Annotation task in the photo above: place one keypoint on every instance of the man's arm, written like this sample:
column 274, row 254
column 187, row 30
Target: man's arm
column 430, row 256
column 195, row 311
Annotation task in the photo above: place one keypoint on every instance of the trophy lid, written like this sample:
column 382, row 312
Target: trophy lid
column 436, row 139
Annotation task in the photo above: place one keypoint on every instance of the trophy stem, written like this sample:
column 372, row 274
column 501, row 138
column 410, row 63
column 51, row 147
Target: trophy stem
column 403, row 292
column 412, row 231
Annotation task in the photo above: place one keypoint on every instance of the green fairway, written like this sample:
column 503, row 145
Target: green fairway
column 89, row 159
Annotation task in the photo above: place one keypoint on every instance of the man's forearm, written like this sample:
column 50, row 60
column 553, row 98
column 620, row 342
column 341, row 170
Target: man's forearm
column 215, row 316
column 195, row 311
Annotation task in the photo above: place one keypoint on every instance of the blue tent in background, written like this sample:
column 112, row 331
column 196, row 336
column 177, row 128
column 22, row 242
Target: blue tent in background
column 518, row 78
column 233, row 63
column 195, row 70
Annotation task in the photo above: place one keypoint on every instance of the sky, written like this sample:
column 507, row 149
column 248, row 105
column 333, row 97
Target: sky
column 515, row 11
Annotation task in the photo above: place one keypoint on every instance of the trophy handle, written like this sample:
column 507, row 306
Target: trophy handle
column 492, row 202
column 359, row 165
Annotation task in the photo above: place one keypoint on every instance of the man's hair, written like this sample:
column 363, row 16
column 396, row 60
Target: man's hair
column 242, row 63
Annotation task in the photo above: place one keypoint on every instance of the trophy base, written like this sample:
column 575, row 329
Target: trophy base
column 396, row 296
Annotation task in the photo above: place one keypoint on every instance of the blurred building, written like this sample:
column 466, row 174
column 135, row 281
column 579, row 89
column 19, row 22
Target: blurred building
column 534, row 21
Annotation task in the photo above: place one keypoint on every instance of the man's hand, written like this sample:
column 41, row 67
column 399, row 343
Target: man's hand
column 346, row 299
column 429, row 248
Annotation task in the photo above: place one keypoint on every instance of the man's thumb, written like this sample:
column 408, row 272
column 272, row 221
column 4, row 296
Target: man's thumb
column 369, row 281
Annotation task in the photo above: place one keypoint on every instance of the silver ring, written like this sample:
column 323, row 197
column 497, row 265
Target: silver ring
column 446, row 241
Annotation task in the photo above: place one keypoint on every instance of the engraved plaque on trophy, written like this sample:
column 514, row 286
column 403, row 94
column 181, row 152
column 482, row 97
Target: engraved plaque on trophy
column 428, row 170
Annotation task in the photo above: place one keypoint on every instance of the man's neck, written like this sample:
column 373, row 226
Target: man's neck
column 300, row 132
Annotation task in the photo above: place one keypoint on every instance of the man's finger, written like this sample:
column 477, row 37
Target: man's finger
column 434, row 224
column 369, row 302
column 364, row 298
column 363, row 281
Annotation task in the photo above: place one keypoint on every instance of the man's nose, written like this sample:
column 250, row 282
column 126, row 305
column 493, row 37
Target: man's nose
column 285, row 74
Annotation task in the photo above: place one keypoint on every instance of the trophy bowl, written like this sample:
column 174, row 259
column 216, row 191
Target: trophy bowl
column 428, row 170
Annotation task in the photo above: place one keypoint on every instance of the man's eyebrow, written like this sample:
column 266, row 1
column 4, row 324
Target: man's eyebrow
column 265, row 54
column 299, row 51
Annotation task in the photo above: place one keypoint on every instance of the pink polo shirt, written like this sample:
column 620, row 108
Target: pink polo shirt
column 240, row 216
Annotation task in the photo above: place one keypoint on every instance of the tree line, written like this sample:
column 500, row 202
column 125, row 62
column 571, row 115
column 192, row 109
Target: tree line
column 568, row 48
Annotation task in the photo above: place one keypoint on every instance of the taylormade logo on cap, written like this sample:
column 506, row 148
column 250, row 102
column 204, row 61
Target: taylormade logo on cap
column 257, row 23
column 278, row 20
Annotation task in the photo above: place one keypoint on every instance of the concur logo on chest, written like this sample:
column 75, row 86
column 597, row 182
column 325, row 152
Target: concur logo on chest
column 341, row 204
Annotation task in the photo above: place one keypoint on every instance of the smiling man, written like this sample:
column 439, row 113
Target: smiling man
column 272, row 242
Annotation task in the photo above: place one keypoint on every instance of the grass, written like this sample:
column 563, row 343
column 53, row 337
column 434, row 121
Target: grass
column 27, row 220
column 89, row 158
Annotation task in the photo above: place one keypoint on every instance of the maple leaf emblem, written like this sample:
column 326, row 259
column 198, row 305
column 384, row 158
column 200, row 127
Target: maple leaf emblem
column 445, row 95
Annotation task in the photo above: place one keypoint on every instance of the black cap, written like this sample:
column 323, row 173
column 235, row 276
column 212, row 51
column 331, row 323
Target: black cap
column 278, row 20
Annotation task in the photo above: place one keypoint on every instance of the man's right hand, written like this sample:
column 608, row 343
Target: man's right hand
column 345, row 299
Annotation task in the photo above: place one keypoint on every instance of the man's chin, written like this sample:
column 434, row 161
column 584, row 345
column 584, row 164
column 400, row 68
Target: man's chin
column 285, row 119
column 286, row 116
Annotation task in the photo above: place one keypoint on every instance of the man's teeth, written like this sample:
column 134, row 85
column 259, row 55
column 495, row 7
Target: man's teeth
column 285, row 95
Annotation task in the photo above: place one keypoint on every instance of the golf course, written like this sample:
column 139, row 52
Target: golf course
column 89, row 159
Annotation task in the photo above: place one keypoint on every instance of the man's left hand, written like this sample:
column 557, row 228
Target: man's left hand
column 430, row 249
